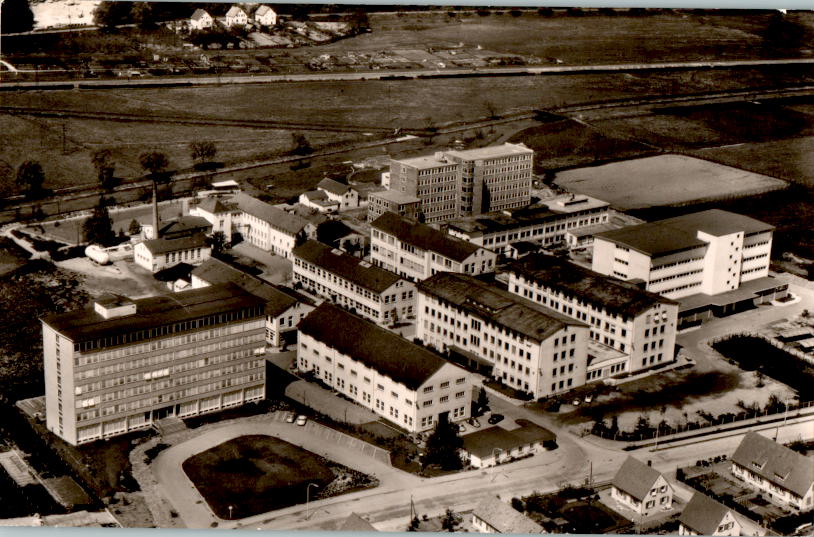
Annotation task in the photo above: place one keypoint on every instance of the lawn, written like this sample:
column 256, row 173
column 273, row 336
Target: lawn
column 592, row 518
column 663, row 180
column 255, row 474
column 755, row 354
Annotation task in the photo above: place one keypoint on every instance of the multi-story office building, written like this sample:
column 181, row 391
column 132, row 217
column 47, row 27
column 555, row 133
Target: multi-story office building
column 417, row 251
column 452, row 184
column 284, row 307
column 398, row 380
column 639, row 325
column 546, row 223
column 123, row 364
column 392, row 201
column 373, row 292
column 530, row 347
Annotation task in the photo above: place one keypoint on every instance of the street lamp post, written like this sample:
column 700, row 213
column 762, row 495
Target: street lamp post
column 231, row 507
column 785, row 417
column 494, row 451
column 308, row 499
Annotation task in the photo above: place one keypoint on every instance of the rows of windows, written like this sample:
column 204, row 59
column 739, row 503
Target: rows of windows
column 676, row 263
column 680, row 288
column 675, row 276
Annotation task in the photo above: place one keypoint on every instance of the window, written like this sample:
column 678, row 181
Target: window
column 460, row 380
column 428, row 389
column 444, row 385
column 444, row 399
column 427, row 403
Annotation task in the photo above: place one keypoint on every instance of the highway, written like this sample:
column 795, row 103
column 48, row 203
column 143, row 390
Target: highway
column 398, row 74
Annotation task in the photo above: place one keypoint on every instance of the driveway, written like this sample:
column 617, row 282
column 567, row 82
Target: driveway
column 277, row 269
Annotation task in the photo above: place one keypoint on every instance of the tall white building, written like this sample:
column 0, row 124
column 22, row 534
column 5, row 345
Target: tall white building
column 530, row 347
column 417, row 251
column 638, row 325
column 372, row 292
column 122, row 365
column 378, row 369
column 709, row 252
column 451, row 184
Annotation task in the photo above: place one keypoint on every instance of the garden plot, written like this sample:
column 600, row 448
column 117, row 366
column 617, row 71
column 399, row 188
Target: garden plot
column 664, row 180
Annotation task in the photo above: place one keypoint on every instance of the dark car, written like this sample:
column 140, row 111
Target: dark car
column 495, row 418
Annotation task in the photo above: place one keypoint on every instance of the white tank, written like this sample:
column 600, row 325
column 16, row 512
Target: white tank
column 97, row 254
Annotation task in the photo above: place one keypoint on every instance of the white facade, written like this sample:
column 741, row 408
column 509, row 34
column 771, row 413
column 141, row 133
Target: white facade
column 224, row 219
column 154, row 262
column 728, row 526
column 267, row 236
column 660, row 497
column 200, row 20
column 349, row 199
column 774, row 490
column 236, row 16
column 265, row 16
column 314, row 202
column 448, row 390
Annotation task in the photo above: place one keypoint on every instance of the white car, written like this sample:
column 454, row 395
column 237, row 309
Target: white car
column 589, row 398
column 290, row 417
column 302, row 420
column 575, row 402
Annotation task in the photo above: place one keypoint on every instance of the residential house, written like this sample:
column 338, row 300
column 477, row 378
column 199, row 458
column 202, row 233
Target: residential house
column 284, row 307
column 378, row 369
column 346, row 196
column 494, row 516
column 781, row 474
column 417, row 251
column 223, row 216
column 265, row 16
column 704, row 516
column 641, row 488
column 236, row 17
column 319, row 201
column 200, row 20
column 372, row 292
column 159, row 254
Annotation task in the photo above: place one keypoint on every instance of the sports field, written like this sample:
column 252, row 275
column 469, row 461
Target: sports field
column 664, row 180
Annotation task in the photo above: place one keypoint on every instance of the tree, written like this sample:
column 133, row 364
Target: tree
column 450, row 521
column 6, row 179
column 16, row 16
column 98, row 229
column 110, row 14
column 135, row 227
column 443, row 445
column 301, row 144
column 202, row 153
column 30, row 178
column 217, row 241
column 143, row 15
column 103, row 163
column 359, row 21
column 414, row 524
column 154, row 163
column 482, row 403
column 784, row 32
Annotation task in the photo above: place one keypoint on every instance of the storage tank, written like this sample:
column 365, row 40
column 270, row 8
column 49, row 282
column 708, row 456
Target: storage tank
column 97, row 254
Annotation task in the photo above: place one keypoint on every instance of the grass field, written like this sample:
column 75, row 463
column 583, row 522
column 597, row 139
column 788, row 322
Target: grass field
column 255, row 474
column 663, row 180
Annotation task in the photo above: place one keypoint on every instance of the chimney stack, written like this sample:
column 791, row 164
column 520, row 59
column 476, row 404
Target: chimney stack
column 156, row 233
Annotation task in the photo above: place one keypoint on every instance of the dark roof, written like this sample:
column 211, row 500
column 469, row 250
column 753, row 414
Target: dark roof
column 635, row 477
column 278, row 218
column 377, row 348
column 185, row 226
column 522, row 247
column 703, row 514
column 164, row 246
column 504, row 518
column 775, row 463
column 680, row 233
column 483, row 442
column 356, row 523
column 214, row 271
column 332, row 231
column 346, row 266
column 86, row 324
column 496, row 221
column 424, row 237
column 215, row 206
column 334, row 187
column 502, row 307
column 612, row 294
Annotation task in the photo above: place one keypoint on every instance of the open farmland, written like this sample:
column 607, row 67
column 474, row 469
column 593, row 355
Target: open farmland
column 664, row 180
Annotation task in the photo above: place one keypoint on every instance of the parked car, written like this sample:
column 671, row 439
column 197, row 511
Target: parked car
column 290, row 417
column 589, row 398
column 302, row 420
column 575, row 402
column 495, row 418
column 474, row 422
column 461, row 428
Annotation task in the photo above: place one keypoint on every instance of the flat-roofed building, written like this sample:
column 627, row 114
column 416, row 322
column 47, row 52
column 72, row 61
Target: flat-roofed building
column 122, row 365
column 547, row 222
column 378, row 369
column 530, row 347
column 417, row 251
column 392, row 201
column 635, row 325
column 781, row 474
column 708, row 252
column 285, row 308
column 451, row 184
column 377, row 294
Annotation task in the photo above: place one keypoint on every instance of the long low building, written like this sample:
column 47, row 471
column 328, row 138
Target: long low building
column 417, row 251
column 495, row 445
column 638, row 324
column 123, row 365
column 158, row 254
column 373, row 292
column 378, row 369
column 547, row 223
column 530, row 347
column 284, row 308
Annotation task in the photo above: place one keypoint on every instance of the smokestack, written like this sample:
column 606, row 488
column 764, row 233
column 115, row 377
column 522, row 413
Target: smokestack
column 156, row 232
